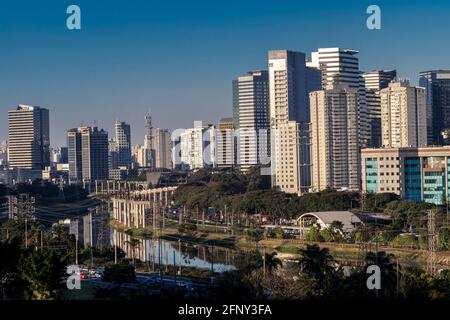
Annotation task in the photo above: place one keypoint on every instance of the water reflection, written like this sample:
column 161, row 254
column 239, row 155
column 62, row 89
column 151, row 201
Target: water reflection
column 176, row 253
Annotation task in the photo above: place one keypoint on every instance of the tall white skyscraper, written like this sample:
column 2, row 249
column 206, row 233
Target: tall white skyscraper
column 403, row 115
column 334, row 138
column 341, row 66
column 289, row 118
column 29, row 137
column 375, row 81
column 198, row 147
column 251, row 99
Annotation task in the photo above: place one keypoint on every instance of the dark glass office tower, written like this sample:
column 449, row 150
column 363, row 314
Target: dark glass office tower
column 437, row 86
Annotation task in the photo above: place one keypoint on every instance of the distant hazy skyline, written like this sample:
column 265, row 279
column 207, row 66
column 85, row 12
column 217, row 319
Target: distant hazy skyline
column 178, row 58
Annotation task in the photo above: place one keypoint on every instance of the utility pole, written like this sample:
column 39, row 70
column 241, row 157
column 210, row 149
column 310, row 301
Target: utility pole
column 264, row 263
column 432, row 240
column 26, row 233
column 115, row 247
column 91, row 236
column 42, row 241
column 398, row 279
column 212, row 265
column 179, row 253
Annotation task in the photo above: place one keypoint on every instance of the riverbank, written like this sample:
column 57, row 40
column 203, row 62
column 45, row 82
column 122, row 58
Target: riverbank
column 286, row 248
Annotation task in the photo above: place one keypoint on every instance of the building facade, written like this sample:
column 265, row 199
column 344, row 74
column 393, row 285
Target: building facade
column 88, row 154
column 123, row 140
column 418, row 174
column 437, row 88
column 289, row 119
column 226, row 144
column 198, row 147
column 334, row 138
column 252, row 113
column 375, row 81
column 403, row 115
column 162, row 149
column 29, row 138
column 341, row 67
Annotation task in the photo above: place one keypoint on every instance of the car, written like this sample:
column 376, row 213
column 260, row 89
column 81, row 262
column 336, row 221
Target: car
column 84, row 275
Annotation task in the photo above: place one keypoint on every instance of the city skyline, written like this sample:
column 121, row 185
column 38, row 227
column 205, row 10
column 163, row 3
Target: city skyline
column 107, row 76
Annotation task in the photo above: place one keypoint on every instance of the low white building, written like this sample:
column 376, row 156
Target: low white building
column 323, row 220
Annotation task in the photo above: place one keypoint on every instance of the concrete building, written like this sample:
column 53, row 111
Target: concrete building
column 289, row 86
column 198, row 147
column 403, row 115
column 251, row 117
column 141, row 209
column 226, row 144
column 123, row 140
column 341, row 67
column 74, row 155
column 88, row 154
column 334, row 138
column 418, row 174
column 29, row 138
column 162, row 152
column 375, row 81
column 437, row 89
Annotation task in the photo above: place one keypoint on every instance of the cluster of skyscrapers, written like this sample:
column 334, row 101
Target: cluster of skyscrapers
column 319, row 124
column 312, row 124
column 89, row 155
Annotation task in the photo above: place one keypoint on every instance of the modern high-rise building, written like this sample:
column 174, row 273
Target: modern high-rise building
column 437, row 88
column 198, row 147
column 29, row 138
column 375, row 81
column 334, row 138
column 148, row 142
column 162, row 151
column 417, row 174
column 88, row 154
column 341, row 67
column 225, row 143
column 403, row 115
column 74, row 155
column 113, row 154
column 252, row 115
column 289, row 84
column 123, row 140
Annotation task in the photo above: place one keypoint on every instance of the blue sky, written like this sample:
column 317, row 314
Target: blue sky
column 179, row 57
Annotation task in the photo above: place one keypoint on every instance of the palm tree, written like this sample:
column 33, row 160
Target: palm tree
column 134, row 243
column 271, row 261
column 318, row 265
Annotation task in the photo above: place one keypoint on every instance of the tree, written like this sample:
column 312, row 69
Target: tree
column 388, row 271
column 271, row 261
column 444, row 239
column 256, row 181
column 43, row 271
column 119, row 273
column 10, row 252
column 314, row 235
column 319, row 266
column 134, row 243
column 255, row 234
